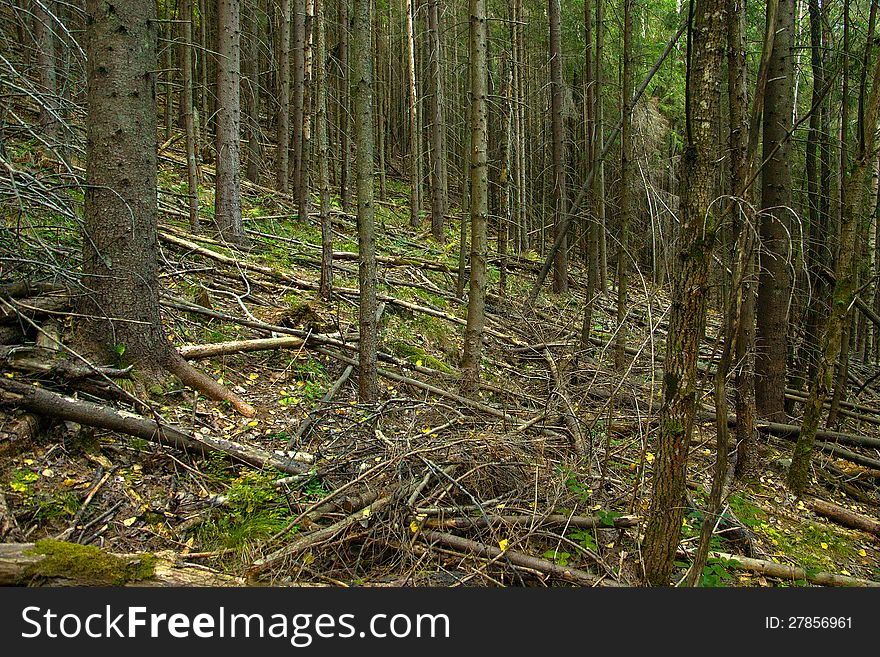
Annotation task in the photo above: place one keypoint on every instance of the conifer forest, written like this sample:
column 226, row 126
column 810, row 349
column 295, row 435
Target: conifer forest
column 440, row 293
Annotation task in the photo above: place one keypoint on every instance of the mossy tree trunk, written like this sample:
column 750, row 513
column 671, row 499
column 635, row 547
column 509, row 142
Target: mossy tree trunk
column 689, row 298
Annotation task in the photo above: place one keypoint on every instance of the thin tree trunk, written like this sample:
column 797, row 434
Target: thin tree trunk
column 415, row 194
column 560, row 195
column 626, row 182
column 362, row 78
column 479, row 202
column 326, row 285
column 251, row 66
column 192, row 173
column 438, row 127
column 687, row 321
column 227, row 198
column 282, row 138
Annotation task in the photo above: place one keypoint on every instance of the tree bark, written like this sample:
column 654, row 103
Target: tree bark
column 689, row 298
column 227, row 194
column 774, row 286
column 438, row 127
column 479, row 199
column 560, row 191
column 186, row 99
column 362, row 78
column 282, row 122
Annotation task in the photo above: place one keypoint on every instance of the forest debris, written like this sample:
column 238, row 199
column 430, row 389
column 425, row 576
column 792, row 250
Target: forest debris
column 844, row 516
column 197, row 351
column 56, row 563
column 581, row 522
column 305, row 541
column 516, row 558
column 784, row 571
column 60, row 406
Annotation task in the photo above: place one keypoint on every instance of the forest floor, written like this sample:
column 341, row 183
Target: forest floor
column 427, row 488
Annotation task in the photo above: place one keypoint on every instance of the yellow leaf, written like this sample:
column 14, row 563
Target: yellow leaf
column 649, row 457
column 503, row 544
column 28, row 461
column 414, row 527
column 128, row 522
column 72, row 482
column 253, row 423
column 862, row 553
column 419, row 362
column 426, row 430
column 48, row 472
column 824, row 546
column 254, row 376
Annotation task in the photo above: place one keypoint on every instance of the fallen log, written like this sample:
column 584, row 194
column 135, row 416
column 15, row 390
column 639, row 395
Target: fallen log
column 844, row 516
column 783, row 571
column 581, row 522
column 566, row 573
column 57, row 563
column 791, row 432
column 197, row 351
column 45, row 402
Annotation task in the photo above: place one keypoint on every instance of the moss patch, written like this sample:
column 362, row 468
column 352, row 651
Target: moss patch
column 87, row 565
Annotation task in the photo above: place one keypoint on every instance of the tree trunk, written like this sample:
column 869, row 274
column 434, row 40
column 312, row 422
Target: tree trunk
column 186, row 100
column 844, row 290
column 479, row 201
column 774, row 287
column 739, row 171
column 227, row 198
column 560, row 195
column 326, row 286
column 120, row 320
column 626, row 182
column 251, row 67
column 438, row 127
column 282, row 124
column 362, row 77
column 415, row 194
column 344, row 92
column 699, row 225
column 44, row 36
column 298, row 34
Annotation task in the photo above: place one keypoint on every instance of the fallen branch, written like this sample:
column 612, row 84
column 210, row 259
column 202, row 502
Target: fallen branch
column 516, row 558
column 580, row 522
column 197, row 351
column 305, row 541
column 45, row 402
column 844, row 516
column 783, row 571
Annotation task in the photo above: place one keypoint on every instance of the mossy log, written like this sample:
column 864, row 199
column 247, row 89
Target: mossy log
column 58, row 563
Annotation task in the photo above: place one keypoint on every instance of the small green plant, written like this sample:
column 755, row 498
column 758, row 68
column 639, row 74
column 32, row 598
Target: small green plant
column 558, row 557
column 716, row 572
column 584, row 538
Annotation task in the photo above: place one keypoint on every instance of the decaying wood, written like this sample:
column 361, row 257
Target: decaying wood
column 33, row 307
column 45, row 402
column 580, row 445
column 844, row 516
column 20, row 433
column 516, row 558
column 8, row 526
column 581, row 522
column 784, row 571
column 21, row 565
column 197, row 351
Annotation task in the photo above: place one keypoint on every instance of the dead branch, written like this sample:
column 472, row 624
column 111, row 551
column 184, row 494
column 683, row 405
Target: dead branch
column 194, row 352
column 516, row 558
column 45, row 402
column 783, row 571
column 580, row 522
column 844, row 516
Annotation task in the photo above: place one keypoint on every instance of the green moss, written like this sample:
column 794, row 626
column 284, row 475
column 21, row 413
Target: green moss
column 87, row 565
